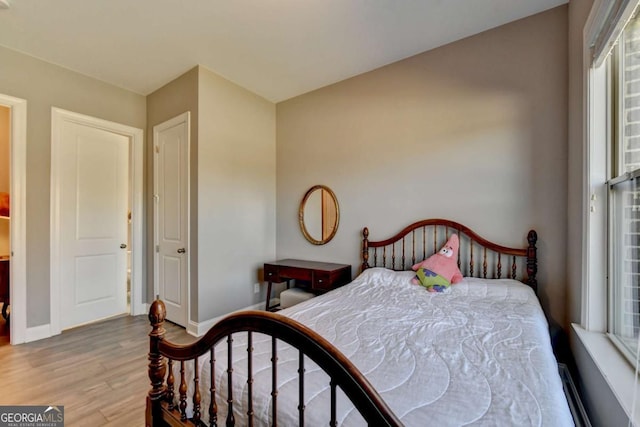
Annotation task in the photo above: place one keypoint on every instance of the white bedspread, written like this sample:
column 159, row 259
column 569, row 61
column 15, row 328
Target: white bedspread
column 479, row 355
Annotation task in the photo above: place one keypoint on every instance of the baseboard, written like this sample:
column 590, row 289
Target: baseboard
column 198, row 329
column 193, row 328
column 141, row 309
column 37, row 333
column 44, row 331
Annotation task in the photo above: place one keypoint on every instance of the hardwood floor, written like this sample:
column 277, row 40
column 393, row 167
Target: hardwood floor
column 98, row 372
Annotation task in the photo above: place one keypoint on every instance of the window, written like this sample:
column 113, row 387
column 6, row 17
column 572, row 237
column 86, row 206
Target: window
column 624, row 189
column 610, row 239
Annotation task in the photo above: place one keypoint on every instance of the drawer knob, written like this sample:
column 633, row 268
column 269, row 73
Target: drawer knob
column 320, row 281
column 269, row 274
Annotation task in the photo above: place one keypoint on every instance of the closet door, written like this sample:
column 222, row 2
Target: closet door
column 171, row 164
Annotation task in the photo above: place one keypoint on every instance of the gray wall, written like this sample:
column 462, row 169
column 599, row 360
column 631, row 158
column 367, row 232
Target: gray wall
column 236, row 194
column 45, row 85
column 474, row 131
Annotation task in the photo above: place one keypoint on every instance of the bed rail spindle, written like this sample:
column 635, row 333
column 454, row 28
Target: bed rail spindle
column 499, row 265
column 435, row 239
column 403, row 266
column 532, row 260
column 513, row 268
column 413, row 250
column 231, row 421
column 333, row 422
column 484, row 264
column 471, row 257
column 183, row 393
column 213, row 406
column 375, row 257
column 393, row 256
column 250, row 378
column 384, row 256
column 459, row 250
column 301, row 372
column 424, row 242
column 196, row 393
column 274, row 381
column 170, row 396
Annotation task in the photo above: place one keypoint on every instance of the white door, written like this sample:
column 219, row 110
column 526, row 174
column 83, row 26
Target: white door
column 94, row 194
column 171, row 174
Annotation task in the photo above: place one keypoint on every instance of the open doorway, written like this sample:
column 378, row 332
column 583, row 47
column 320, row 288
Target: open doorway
column 5, row 222
column 17, row 150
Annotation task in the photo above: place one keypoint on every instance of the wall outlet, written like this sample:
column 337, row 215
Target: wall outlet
column 256, row 288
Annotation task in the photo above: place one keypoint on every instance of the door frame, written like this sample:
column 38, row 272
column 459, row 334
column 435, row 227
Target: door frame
column 181, row 118
column 135, row 135
column 18, row 235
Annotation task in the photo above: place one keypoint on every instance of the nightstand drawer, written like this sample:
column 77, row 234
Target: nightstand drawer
column 321, row 281
column 271, row 273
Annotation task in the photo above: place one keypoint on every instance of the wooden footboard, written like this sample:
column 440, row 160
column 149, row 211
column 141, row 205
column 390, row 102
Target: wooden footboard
column 166, row 407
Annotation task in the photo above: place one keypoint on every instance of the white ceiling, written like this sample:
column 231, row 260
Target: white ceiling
column 275, row 48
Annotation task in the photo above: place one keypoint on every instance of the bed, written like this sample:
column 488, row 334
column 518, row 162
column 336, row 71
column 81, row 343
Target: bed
column 378, row 351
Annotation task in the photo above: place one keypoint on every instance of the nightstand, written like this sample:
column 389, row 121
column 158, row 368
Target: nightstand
column 316, row 277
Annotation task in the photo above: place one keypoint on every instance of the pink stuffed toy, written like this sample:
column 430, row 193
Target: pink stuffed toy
column 440, row 270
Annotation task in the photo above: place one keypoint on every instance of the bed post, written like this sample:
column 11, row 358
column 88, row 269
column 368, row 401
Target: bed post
column 532, row 260
column 365, row 249
column 157, row 365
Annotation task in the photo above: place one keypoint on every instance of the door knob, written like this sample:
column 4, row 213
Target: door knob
column 181, row 251
column 123, row 246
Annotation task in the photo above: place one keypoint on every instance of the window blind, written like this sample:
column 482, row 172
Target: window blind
column 624, row 195
column 625, row 294
column 609, row 22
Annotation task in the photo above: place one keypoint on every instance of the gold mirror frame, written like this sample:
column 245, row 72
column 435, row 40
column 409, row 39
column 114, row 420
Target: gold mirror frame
column 303, row 227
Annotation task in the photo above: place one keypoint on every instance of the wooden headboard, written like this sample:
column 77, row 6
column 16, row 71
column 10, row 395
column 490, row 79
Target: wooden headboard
column 477, row 257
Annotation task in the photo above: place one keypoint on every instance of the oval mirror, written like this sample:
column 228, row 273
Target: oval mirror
column 319, row 215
